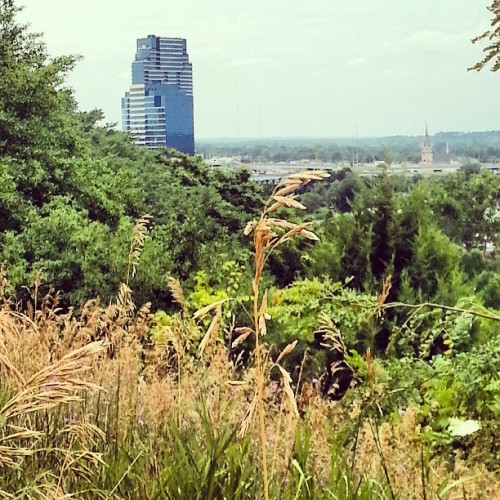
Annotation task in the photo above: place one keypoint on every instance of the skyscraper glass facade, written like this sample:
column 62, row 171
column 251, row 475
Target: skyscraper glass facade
column 158, row 108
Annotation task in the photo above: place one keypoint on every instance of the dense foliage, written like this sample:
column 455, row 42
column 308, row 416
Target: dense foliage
column 394, row 308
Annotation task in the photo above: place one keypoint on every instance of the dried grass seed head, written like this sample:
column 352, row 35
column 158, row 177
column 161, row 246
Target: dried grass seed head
column 177, row 292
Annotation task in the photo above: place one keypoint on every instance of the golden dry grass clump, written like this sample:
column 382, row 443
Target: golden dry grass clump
column 101, row 380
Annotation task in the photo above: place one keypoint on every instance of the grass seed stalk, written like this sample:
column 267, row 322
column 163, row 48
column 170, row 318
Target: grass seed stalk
column 268, row 234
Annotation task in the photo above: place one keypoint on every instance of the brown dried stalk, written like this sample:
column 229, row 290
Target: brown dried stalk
column 329, row 331
column 370, row 368
column 266, row 233
column 212, row 331
column 382, row 298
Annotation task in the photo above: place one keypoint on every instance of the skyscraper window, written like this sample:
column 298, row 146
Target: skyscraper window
column 158, row 108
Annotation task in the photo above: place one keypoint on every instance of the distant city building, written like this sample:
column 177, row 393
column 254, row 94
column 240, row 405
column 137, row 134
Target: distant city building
column 158, row 109
column 426, row 151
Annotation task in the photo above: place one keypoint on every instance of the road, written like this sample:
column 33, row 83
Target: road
column 272, row 172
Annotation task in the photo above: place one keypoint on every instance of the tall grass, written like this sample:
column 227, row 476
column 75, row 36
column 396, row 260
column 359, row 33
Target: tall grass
column 92, row 406
column 269, row 234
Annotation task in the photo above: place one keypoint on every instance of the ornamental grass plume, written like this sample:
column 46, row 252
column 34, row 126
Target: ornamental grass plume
column 177, row 292
column 137, row 241
column 56, row 384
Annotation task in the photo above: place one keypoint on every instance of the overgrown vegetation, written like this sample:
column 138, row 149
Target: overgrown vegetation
column 360, row 361
column 130, row 415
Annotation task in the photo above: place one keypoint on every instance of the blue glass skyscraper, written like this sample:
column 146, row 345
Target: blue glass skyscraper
column 158, row 109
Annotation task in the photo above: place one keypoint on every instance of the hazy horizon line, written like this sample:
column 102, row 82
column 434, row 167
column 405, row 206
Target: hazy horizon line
column 343, row 137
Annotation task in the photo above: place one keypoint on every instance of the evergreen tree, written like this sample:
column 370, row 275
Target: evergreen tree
column 382, row 235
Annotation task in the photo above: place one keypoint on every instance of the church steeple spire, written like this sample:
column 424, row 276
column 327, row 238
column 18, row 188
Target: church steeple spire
column 427, row 141
column 426, row 153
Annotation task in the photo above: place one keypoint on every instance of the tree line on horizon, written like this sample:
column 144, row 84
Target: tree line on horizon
column 470, row 147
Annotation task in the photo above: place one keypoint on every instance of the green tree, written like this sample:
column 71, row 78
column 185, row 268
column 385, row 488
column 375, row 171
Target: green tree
column 383, row 232
column 467, row 209
column 435, row 264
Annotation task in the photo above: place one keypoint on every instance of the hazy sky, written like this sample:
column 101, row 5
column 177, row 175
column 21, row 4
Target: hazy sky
column 281, row 68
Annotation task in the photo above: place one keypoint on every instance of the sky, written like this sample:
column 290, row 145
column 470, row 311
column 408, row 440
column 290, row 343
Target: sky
column 290, row 68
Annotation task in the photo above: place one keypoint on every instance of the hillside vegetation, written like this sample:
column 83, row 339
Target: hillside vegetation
column 172, row 331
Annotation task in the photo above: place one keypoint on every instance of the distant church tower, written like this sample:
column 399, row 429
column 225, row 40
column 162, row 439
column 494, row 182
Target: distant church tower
column 426, row 153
